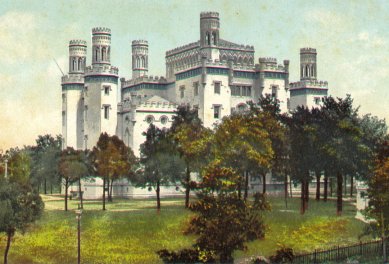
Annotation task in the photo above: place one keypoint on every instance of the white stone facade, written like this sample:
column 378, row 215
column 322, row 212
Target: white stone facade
column 216, row 76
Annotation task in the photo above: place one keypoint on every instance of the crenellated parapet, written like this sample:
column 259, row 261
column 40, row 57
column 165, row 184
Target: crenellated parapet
column 183, row 48
column 209, row 15
column 72, row 78
column 140, row 42
column 101, row 69
column 157, row 104
column 308, row 50
column 101, row 30
column 77, row 42
column 309, row 84
column 270, row 64
column 142, row 79
column 230, row 45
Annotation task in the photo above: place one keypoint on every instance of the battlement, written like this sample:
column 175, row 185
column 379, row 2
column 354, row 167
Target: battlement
column 308, row 50
column 145, row 78
column 101, row 69
column 183, row 48
column 268, row 60
column 101, row 30
column 309, row 84
column 140, row 42
column 72, row 78
column 77, row 42
column 230, row 45
column 209, row 15
column 157, row 104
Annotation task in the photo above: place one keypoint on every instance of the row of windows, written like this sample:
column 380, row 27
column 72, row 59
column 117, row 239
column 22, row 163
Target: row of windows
column 241, row 90
column 150, row 119
column 217, row 86
column 106, row 88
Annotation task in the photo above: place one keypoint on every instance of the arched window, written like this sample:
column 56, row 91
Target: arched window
column 241, row 107
column 103, row 54
column 143, row 63
column 137, row 62
column 245, row 60
column 164, row 120
column 80, row 64
column 312, row 71
column 127, row 137
column 150, row 119
column 307, row 71
column 97, row 54
column 74, row 64
column 208, row 38
column 214, row 38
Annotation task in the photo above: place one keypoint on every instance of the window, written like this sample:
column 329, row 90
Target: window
column 164, row 120
column 241, row 108
column 63, row 118
column 317, row 100
column 149, row 119
column 85, row 90
column 216, row 111
column 106, row 111
column 63, row 98
column 217, row 87
column 274, row 91
column 235, row 90
column 182, row 91
column 107, row 89
column 196, row 88
column 86, row 113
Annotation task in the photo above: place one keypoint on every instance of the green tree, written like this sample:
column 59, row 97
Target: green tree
column 19, row 166
column 192, row 141
column 378, row 193
column 243, row 143
column 72, row 167
column 111, row 158
column 159, row 163
column 19, row 207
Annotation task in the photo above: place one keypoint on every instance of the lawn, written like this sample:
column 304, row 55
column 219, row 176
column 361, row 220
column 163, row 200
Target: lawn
column 130, row 231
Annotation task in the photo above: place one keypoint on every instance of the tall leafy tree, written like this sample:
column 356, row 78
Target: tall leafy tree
column 72, row 167
column 192, row 141
column 19, row 207
column 111, row 158
column 159, row 164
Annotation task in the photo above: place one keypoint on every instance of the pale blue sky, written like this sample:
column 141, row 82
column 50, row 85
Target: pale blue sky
column 351, row 37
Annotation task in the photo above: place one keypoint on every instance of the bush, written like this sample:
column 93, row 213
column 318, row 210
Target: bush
column 283, row 255
column 186, row 256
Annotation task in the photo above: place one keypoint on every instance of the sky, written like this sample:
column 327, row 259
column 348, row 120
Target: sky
column 351, row 38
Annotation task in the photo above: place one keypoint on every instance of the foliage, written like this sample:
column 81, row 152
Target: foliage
column 19, row 166
column 186, row 256
column 19, row 207
column 283, row 255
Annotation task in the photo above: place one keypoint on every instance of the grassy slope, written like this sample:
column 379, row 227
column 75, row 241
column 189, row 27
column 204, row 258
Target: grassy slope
column 131, row 231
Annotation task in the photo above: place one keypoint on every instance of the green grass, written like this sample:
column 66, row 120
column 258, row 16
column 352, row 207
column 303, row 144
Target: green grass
column 131, row 231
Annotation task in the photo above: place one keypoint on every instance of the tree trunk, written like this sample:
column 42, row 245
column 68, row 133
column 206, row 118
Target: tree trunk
column 286, row 190
column 264, row 183
column 66, row 194
column 110, row 191
column 345, row 185
column 51, row 188
column 45, row 187
column 351, row 185
column 187, row 187
column 339, row 203
column 158, row 197
column 240, row 189
column 10, row 234
column 325, row 186
column 302, row 206
column 108, row 185
column 306, row 196
column 318, row 175
column 103, row 193
column 383, row 238
column 246, row 185
column 331, row 187
column 290, row 187
column 80, row 193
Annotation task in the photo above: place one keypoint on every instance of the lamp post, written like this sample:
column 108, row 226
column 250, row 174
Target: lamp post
column 78, row 217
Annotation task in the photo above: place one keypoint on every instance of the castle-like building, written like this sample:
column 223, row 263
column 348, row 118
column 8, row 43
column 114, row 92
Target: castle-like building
column 213, row 75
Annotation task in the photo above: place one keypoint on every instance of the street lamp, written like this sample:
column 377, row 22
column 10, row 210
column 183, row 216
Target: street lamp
column 78, row 217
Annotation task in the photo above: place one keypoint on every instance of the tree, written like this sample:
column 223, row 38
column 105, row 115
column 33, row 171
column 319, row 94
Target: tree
column 111, row 159
column 19, row 166
column 19, row 206
column 159, row 164
column 243, row 143
column 45, row 157
column 219, row 206
column 72, row 167
column 378, row 193
column 192, row 141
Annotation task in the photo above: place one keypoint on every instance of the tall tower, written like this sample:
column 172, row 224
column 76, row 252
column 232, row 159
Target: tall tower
column 308, row 70
column 308, row 92
column 140, row 58
column 100, row 90
column 72, row 103
column 209, row 34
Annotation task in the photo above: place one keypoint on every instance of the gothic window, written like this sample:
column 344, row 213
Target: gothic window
column 74, row 64
column 208, row 38
column 103, row 54
column 127, row 137
column 317, row 100
column 79, row 64
column 106, row 111
column 307, row 71
column 196, row 88
column 63, row 118
column 274, row 91
column 164, row 120
column 96, row 54
column 106, row 90
column 143, row 62
column 216, row 111
column 182, row 91
column 85, row 90
column 150, row 119
column 86, row 113
column 63, row 98
column 312, row 71
column 217, row 87
column 214, row 38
